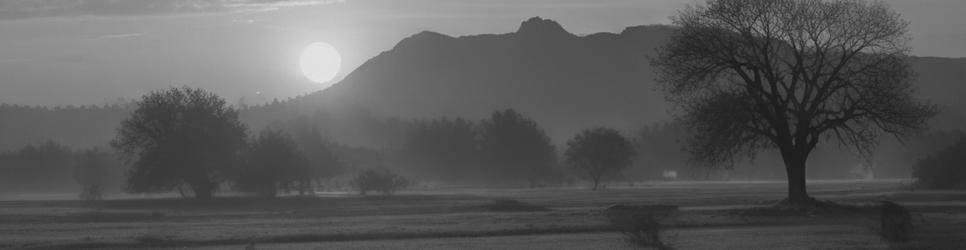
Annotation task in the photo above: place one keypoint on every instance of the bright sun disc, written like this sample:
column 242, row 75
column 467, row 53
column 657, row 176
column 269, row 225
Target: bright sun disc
column 320, row 62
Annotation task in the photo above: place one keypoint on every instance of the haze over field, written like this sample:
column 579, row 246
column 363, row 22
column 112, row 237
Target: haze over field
column 432, row 124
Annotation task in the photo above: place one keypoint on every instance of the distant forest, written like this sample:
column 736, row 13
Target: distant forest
column 42, row 147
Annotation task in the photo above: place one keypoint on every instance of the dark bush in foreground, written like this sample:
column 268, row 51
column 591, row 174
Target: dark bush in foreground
column 943, row 170
column 896, row 222
column 639, row 224
column 384, row 181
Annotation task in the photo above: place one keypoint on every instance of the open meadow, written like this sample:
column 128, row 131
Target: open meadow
column 713, row 215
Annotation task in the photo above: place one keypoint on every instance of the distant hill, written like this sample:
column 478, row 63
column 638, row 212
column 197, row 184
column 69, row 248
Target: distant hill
column 565, row 82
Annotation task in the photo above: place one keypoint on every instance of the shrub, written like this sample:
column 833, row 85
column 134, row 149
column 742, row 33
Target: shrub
column 639, row 224
column 943, row 169
column 896, row 222
column 273, row 163
column 384, row 181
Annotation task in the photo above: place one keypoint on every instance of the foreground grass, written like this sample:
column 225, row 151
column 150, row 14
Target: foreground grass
column 457, row 215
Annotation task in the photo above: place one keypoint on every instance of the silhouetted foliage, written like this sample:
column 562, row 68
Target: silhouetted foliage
column 272, row 163
column 516, row 147
column 50, row 166
column 896, row 221
column 755, row 75
column 383, row 181
column 93, row 171
column 180, row 136
column 318, row 150
column 322, row 162
column 37, row 166
column 598, row 152
column 944, row 169
column 639, row 224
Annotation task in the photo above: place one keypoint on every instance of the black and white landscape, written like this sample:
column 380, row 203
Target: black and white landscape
column 253, row 124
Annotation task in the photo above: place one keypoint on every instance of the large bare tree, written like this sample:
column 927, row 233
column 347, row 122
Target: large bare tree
column 750, row 75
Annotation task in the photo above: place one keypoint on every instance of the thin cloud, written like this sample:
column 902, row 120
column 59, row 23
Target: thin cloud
column 30, row 9
column 119, row 36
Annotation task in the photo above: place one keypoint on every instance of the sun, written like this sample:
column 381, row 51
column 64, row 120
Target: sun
column 320, row 62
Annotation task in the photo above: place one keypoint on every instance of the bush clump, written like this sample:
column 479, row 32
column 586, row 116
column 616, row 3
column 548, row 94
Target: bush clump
column 639, row 224
column 384, row 181
column 943, row 170
column 896, row 222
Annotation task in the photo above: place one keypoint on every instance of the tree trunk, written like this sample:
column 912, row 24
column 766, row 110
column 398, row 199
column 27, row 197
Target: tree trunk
column 596, row 180
column 795, row 171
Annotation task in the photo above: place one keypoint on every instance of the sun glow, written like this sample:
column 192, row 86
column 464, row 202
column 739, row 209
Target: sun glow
column 320, row 62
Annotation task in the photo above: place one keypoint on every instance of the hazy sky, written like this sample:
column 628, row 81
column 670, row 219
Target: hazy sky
column 59, row 52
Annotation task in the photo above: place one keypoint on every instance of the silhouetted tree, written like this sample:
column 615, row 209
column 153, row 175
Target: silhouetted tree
column 273, row 162
column 755, row 74
column 44, row 166
column 180, row 136
column 516, row 147
column 321, row 161
column 599, row 151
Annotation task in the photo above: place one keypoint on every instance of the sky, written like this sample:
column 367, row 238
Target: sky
column 84, row 52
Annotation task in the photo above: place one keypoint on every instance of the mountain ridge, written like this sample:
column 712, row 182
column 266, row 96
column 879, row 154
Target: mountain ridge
column 564, row 81
column 559, row 82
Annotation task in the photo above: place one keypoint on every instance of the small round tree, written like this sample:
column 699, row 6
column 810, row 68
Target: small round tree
column 273, row 162
column 515, row 147
column 599, row 151
column 180, row 136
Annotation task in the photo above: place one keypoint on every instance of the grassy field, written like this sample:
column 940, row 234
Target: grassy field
column 459, row 218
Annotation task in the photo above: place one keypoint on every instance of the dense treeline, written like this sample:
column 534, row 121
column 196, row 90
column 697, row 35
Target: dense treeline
column 53, row 167
column 301, row 155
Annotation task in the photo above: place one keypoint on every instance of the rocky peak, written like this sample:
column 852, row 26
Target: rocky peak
column 539, row 27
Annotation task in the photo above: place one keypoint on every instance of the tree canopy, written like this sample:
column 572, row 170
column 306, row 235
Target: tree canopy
column 272, row 163
column 748, row 75
column 180, row 136
column 516, row 147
